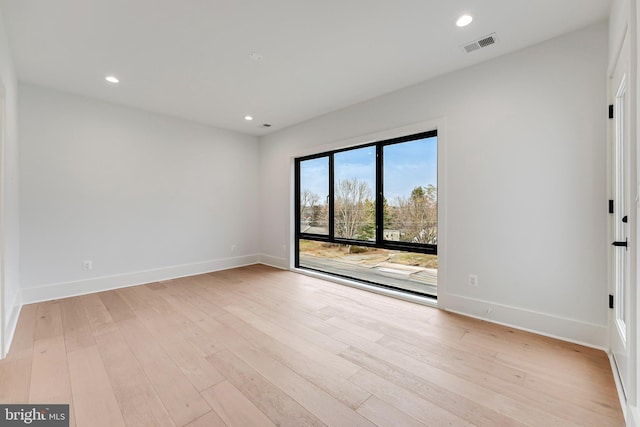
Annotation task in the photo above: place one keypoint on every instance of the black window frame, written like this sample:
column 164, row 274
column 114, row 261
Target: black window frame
column 380, row 242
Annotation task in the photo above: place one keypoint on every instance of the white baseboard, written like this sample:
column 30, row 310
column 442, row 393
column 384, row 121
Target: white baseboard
column 584, row 333
column 98, row 284
column 627, row 410
column 272, row 261
column 578, row 332
column 630, row 412
column 11, row 324
column 633, row 416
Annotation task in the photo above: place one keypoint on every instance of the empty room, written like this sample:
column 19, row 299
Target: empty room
column 292, row 213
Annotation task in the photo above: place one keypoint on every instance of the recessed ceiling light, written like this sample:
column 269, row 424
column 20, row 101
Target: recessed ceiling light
column 248, row 118
column 464, row 20
column 112, row 79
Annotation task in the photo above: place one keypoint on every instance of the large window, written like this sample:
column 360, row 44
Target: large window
column 371, row 213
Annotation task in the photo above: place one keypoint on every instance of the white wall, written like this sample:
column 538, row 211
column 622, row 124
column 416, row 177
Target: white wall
column 526, row 178
column 143, row 196
column 618, row 24
column 9, row 207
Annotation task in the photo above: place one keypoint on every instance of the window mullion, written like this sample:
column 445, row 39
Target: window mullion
column 379, row 196
column 331, row 198
column 297, row 214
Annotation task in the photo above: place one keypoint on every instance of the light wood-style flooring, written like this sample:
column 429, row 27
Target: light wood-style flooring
column 256, row 346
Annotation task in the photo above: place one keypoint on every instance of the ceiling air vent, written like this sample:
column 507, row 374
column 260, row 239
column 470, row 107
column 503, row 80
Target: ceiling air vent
column 479, row 44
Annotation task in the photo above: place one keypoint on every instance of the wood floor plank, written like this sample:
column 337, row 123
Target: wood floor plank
column 596, row 398
column 278, row 297
column 137, row 399
column 369, row 304
column 278, row 310
column 382, row 414
column 99, row 318
column 168, row 324
column 407, row 402
column 212, row 289
column 305, row 346
column 15, row 369
column 182, row 400
column 156, row 286
column 208, row 335
column 260, row 346
column 15, row 377
column 189, row 291
column 49, row 322
column 50, row 382
column 403, row 330
column 137, row 297
column 226, row 276
column 562, row 367
column 170, row 335
column 233, row 407
column 143, row 298
column 309, row 365
column 191, row 311
column 507, row 338
column 317, row 401
column 498, row 400
column 464, row 364
column 277, row 405
column 456, row 403
column 193, row 364
column 118, row 308
column 93, row 398
column 285, row 332
column 366, row 333
column 77, row 329
column 210, row 419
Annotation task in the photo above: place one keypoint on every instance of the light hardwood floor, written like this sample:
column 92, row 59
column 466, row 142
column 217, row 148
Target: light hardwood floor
column 256, row 346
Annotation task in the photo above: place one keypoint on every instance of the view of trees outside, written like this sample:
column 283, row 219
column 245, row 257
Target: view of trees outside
column 410, row 193
column 355, row 210
column 354, row 199
column 410, row 207
column 314, row 195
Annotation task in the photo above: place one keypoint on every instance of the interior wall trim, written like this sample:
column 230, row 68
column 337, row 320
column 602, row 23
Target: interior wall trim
column 276, row 262
column 11, row 324
column 98, row 284
column 566, row 329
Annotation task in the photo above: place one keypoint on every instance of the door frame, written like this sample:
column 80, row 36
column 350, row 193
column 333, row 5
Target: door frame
column 628, row 29
column 621, row 173
column 3, row 308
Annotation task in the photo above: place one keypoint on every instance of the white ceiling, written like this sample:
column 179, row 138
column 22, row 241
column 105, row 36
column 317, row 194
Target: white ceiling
column 190, row 58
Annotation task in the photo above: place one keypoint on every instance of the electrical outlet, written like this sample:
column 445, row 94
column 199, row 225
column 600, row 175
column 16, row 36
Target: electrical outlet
column 87, row 265
column 473, row 280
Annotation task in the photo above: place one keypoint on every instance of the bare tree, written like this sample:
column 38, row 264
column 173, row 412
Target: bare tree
column 308, row 200
column 350, row 207
column 417, row 215
column 313, row 212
